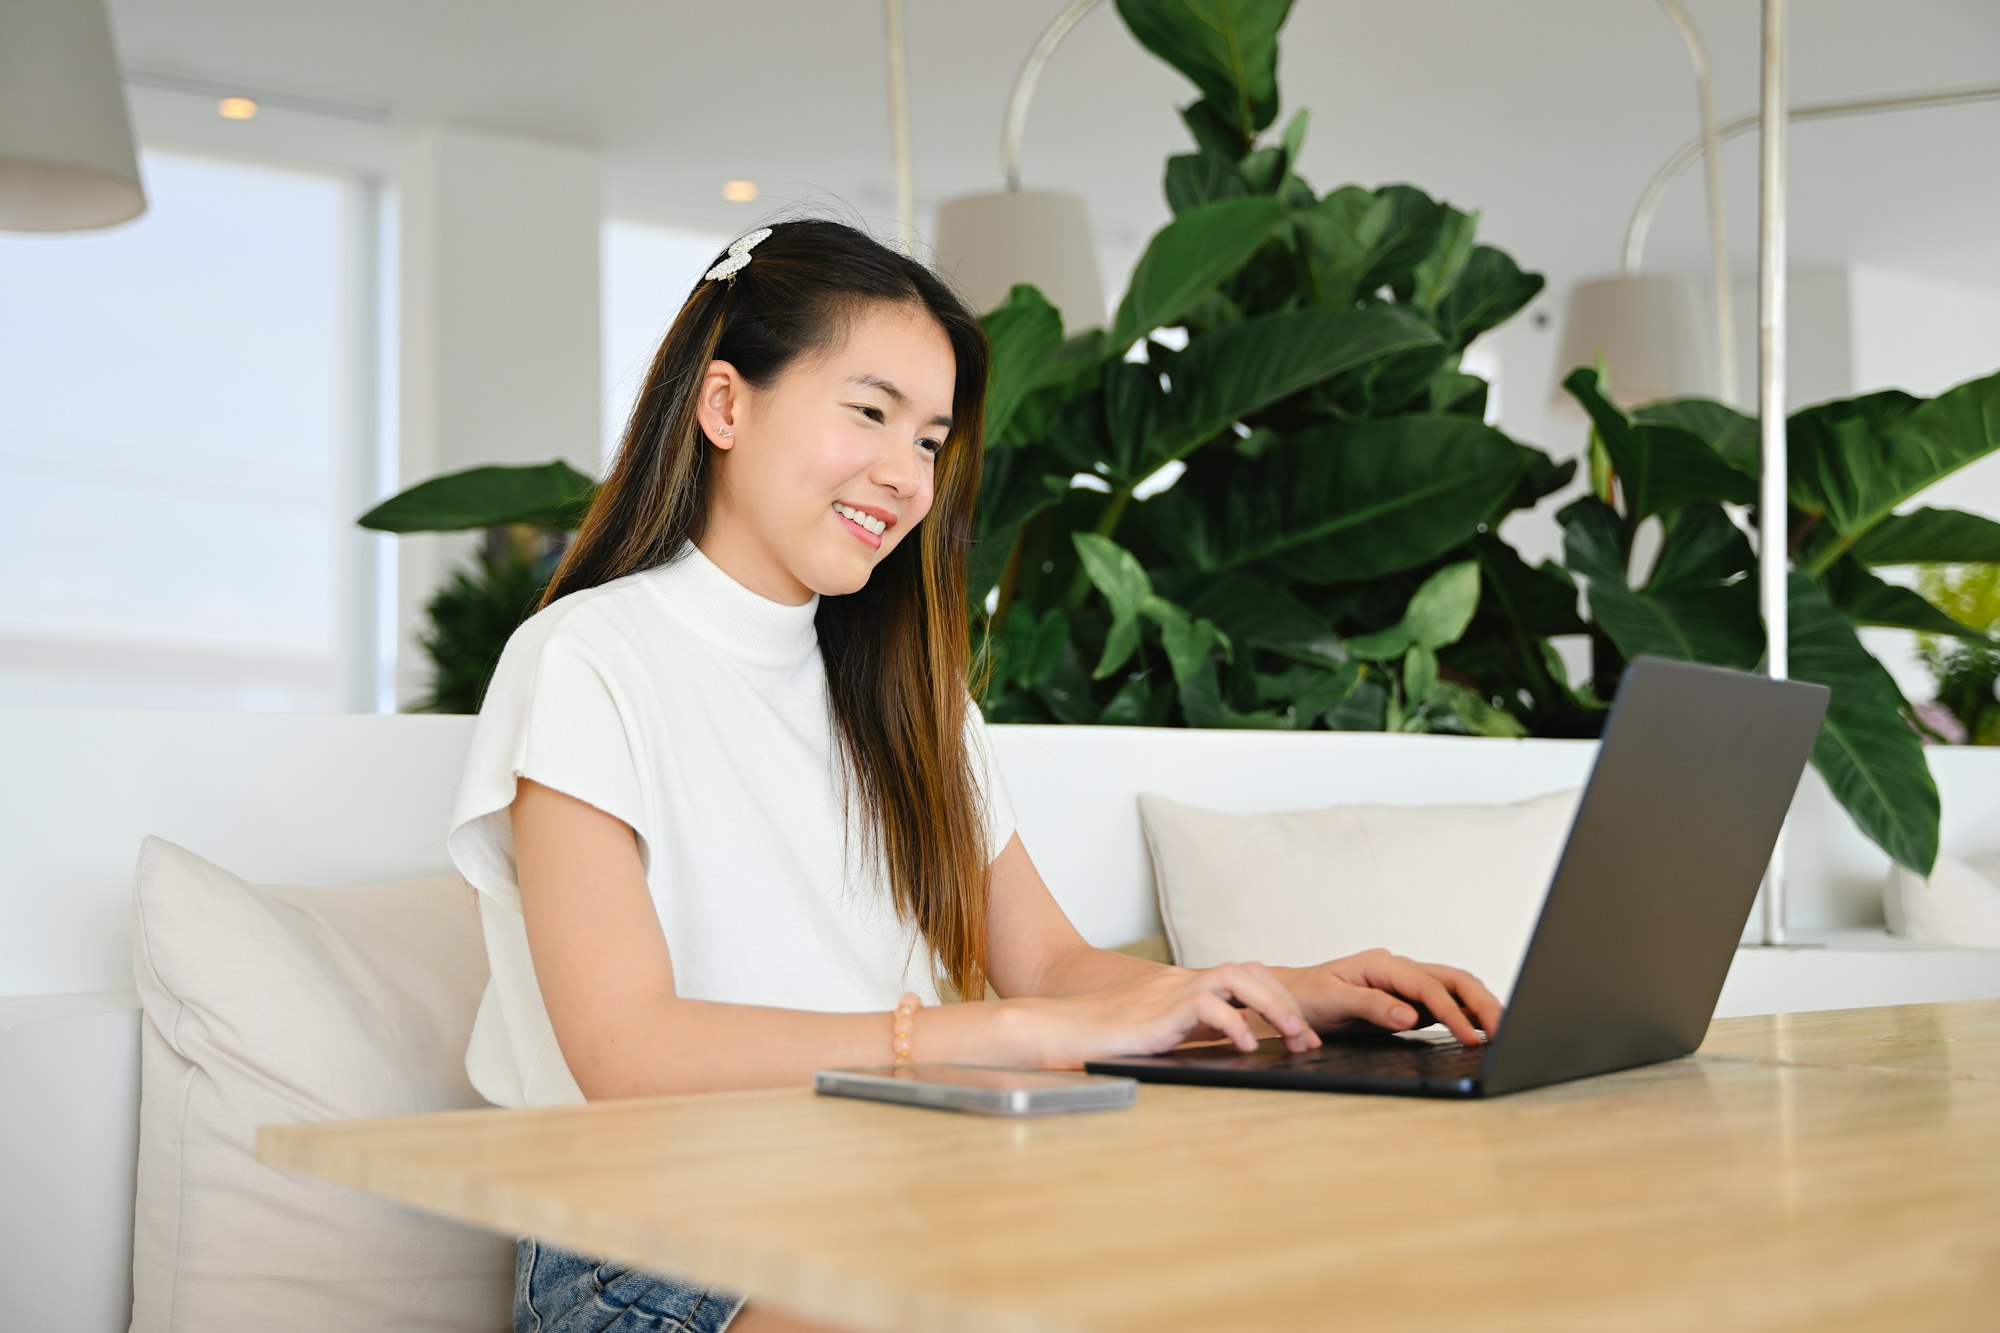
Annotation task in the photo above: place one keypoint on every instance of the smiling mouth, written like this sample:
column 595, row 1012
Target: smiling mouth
column 861, row 533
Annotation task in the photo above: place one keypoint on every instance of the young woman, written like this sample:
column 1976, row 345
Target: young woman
column 754, row 648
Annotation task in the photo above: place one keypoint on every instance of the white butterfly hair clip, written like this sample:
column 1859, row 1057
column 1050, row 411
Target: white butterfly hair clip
column 739, row 255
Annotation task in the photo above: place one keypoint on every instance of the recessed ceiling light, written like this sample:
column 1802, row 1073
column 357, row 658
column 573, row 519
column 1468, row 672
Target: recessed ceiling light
column 236, row 108
column 739, row 192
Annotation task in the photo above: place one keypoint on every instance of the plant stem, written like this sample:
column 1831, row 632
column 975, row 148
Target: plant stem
column 1832, row 551
column 1079, row 587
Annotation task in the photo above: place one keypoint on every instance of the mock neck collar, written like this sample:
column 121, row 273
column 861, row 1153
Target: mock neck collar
column 745, row 624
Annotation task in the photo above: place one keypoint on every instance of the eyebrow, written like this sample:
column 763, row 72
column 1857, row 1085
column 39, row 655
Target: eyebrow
column 902, row 399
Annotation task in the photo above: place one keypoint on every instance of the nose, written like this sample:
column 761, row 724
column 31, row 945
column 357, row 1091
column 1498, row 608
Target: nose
column 900, row 469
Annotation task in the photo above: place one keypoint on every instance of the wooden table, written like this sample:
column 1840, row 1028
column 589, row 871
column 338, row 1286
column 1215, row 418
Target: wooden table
column 1828, row 1171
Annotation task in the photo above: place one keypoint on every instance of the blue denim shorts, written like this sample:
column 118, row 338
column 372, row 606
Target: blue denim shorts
column 561, row 1291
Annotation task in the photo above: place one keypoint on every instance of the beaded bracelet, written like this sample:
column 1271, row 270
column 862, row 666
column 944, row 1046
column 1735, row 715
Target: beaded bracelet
column 906, row 1017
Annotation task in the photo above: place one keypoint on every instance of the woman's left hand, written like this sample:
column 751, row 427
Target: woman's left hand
column 1393, row 992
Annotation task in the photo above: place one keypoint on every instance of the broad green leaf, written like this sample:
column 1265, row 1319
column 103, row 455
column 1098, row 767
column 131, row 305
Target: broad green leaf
column 1488, row 292
column 1437, row 616
column 1296, row 195
column 1870, row 757
column 1263, row 169
column 1294, row 136
column 1188, row 641
column 1187, row 258
column 1715, row 623
column 1203, row 706
column 1073, row 363
column 1031, row 647
column 1420, row 672
column 1541, row 601
column 1719, row 625
column 1838, row 457
column 1541, row 476
column 1701, row 547
column 1660, row 468
column 1855, row 462
column 1231, row 373
column 1441, row 609
column 545, row 495
column 1119, row 576
column 1359, row 241
column 1015, row 485
column 1310, row 688
column 1931, row 536
column 1079, row 436
column 1594, row 543
column 1455, row 391
column 1213, row 133
column 1258, row 613
column 1194, row 179
column 1340, row 502
column 1723, row 429
column 1022, row 333
column 1066, row 690
column 1073, row 367
column 1385, row 385
column 1227, row 48
column 1867, row 600
column 1432, row 279
column 1213, row 311
column 1382, row 645
column 1133, row 406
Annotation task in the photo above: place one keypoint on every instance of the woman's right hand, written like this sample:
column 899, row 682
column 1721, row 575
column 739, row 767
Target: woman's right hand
column 1159, row 1012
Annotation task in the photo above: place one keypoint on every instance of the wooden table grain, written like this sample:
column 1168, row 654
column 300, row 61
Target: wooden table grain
column 1826, row 1171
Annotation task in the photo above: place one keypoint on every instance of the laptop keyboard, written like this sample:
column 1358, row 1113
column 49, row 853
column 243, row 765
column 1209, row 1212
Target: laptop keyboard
column 1399, row 1058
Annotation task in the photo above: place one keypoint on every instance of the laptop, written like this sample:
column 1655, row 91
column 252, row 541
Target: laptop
column 1692, row 780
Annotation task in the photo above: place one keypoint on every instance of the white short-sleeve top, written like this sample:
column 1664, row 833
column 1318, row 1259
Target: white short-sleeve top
column 694, row 710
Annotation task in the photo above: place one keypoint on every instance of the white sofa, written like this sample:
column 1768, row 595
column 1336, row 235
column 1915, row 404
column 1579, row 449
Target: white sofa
column 353, row 799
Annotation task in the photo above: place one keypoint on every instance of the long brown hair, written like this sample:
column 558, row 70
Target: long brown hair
column 896, row 651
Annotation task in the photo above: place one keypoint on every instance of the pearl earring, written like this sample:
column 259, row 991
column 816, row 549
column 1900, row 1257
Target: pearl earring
column 722, row 432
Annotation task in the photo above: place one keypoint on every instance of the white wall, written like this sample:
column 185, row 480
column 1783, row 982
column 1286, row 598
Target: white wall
column 500, row 330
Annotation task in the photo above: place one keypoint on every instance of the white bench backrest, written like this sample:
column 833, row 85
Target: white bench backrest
column 355, row 798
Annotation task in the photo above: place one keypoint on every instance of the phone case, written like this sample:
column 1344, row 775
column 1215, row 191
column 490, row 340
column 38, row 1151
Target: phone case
column 984, row 1089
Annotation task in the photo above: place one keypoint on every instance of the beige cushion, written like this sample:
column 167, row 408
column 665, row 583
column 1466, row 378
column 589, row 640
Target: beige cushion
column 1958, row 904
column 266, row 1004
column 1460, row 885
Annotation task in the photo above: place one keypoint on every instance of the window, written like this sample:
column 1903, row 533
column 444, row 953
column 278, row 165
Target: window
column 189, row 419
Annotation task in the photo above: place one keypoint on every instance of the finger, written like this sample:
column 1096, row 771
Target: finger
column 1258, row 987
column 1473, row 994
column 1380, row 1007
column 1215, row 1011
column 1405, row 978
column 1412, row 980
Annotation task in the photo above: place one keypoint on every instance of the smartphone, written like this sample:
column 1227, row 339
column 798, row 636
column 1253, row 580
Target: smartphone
column 985, row 1089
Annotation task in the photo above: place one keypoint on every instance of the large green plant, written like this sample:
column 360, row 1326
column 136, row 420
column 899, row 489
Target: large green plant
column 1853, row 463
column 1340, row 486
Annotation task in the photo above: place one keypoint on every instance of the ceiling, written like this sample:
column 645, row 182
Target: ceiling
column 1548, row 116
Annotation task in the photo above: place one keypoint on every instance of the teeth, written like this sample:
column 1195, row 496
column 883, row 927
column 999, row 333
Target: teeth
column 874, row 525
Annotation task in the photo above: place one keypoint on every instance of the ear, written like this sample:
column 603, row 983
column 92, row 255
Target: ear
column 719, row 402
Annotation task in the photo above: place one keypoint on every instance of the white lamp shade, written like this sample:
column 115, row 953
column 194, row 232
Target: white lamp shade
column 989, row 242
column 1645, row 329
column 66, row 156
